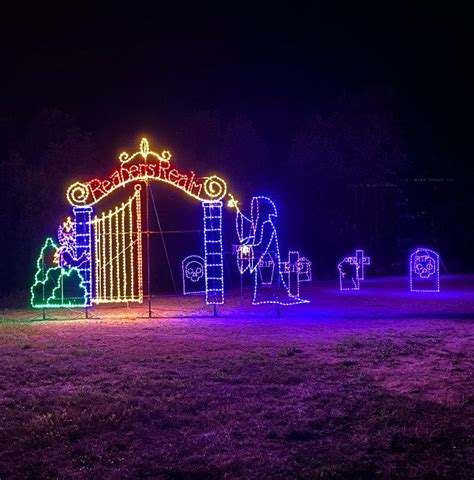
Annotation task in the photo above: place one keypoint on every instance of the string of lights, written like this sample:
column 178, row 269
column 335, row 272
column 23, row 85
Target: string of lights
column 209, row 188
column 193, row 273
column 297, row 270
column 349, row 274
column 363, row 261
column 213, row 258
column 259, row 232
column 83, row 240
column 424, row 270
column 106, row 252
column 55, row 286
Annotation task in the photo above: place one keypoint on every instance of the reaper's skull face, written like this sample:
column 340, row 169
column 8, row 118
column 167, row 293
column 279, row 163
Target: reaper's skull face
column 194, row 271
column 424, row 265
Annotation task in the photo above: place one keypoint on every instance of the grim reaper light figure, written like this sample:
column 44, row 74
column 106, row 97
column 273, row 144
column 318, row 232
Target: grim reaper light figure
column 259, row 247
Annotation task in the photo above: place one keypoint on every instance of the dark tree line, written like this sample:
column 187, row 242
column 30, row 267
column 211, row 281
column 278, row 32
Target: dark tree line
column 39, row 159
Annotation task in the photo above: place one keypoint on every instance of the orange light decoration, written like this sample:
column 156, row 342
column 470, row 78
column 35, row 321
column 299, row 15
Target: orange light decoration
column 147, row 165
column 233, row 203
column 68, row 224
column 118, row 253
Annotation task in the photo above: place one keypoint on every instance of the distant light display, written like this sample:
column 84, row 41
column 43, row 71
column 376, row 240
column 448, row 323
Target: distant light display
column 349, row 274
column 352, row 270
column 424, row 270
column 362, row 261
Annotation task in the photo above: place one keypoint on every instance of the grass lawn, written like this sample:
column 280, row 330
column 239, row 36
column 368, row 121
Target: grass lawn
column 371, row 384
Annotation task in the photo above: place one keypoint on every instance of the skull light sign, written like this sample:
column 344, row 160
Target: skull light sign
column 194, row 282
column 424, row 270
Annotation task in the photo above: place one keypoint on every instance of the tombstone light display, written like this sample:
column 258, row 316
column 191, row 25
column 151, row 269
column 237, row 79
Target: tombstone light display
column 351, row 271
column 348, row 269
column 362, row 260
column 194, row 282
column 296, row 269
column 424, row 270
column 266, row 269
column 100, row 254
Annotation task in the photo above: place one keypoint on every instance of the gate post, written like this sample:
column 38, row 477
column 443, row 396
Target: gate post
column 82, row 218
column 213, row 258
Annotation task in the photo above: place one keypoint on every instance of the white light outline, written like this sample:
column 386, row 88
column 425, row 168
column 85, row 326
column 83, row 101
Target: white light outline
column 411, row 257
column 287, row 267
column 184, row 263
column 213, row 238
column 251, row 241
column 356, row 280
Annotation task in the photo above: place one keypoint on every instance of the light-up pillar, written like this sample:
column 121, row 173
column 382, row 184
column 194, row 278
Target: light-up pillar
column 213, row 258
column 82, row 218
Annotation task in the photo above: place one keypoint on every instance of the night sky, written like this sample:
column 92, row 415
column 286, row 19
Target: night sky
column 123, row 69
column 129, row 70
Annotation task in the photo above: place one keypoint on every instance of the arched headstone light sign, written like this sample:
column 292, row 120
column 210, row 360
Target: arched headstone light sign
column 424, row 270
column 193, row 269
column 102, row 256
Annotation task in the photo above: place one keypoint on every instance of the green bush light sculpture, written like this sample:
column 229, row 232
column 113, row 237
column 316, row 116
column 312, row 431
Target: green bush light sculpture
column 55, row 286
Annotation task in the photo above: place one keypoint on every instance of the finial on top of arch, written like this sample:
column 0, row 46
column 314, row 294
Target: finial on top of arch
column 125, row 157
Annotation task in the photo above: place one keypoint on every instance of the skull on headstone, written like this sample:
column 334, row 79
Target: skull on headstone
column 194, row 271
column 424, row 270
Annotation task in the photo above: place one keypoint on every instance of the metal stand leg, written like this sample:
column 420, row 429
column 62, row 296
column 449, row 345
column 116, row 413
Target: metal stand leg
column 43, row 267
column 241, row 292
column 278, row 295
column 147, row 196
column 215, row 310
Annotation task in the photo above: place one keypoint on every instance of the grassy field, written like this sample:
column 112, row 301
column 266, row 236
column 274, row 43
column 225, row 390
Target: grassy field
column 374, row 384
